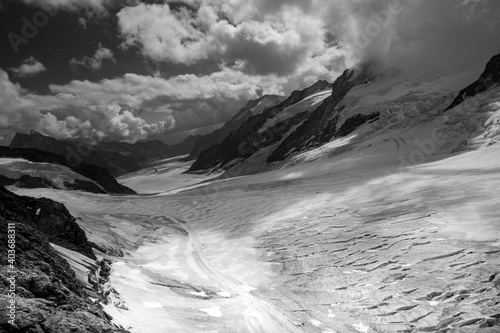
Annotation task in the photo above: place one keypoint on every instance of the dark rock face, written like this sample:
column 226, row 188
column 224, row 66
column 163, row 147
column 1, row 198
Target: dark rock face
column 272, row 135
column 143, row 153
column 347, row 127
column 72, row 152
column 208, row 157
column 321, row 124
column 354, row 122
column 186, row 146
column 100, row 175
column 217, row 136
column 27, row 181
column 488, row 79
column 242, row 142
column 49, row 298
column 48, row 217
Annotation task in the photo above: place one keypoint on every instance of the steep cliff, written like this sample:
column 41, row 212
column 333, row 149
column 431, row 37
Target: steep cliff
column 49, row 298
column 488, row 79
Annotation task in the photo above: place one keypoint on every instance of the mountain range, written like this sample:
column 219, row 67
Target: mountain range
column 117, row 157
column 364, row 103
column 367, row 105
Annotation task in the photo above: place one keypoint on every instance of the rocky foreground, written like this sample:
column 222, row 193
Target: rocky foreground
column 49, row 297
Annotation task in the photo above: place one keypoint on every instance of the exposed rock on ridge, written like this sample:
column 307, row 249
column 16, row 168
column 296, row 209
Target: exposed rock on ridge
column 243, row 142
column 321, row 125
column 487, row 80
column 252, row 108
column 49, row 298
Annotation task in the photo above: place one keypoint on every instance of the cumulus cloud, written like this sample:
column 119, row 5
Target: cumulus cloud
column 190, row 101
column 285, row 37
column 231, row 32
column 164, row 34
column 29, row 68
column 96, row 61
column 139, row 91
column 66, row 116
column 131, row 107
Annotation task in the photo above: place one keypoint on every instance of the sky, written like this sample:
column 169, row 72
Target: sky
column 110, row 70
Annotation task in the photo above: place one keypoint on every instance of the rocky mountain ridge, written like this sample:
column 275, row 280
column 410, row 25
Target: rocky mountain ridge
column 490, row 78
column 49, row 298
column 252, row 108
column 247, row 139
column 373, row 103
column 321, row 125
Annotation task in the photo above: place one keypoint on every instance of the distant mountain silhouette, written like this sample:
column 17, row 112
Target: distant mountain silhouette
column 117, row 157
column 100, row 175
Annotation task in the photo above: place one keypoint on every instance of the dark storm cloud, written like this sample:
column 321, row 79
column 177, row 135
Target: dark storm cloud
column 418, row 35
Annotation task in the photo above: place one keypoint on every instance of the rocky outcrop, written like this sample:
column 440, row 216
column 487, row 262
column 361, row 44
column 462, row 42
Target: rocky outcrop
column 488, row 79
column 242, row 142
column 99, row 280
column 347, row 127
column 252, row 108
column 48, row 217
column 26, row 181
column 321, row 125
column 100, row 175
column 49, row 298
column 352, row 123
